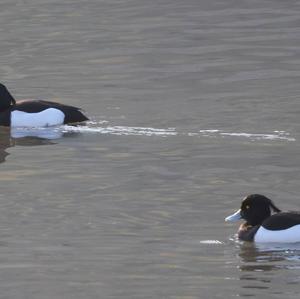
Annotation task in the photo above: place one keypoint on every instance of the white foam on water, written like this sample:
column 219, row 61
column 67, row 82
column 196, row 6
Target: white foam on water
column 209, row 131
column 211, row 242
column 275, row 135
column 122, row 130
column 103, row 127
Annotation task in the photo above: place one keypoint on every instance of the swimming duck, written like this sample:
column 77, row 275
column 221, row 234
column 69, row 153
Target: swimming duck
column 261, row 226
column 35, row 113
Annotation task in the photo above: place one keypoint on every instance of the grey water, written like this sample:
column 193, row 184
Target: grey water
column 193, row 105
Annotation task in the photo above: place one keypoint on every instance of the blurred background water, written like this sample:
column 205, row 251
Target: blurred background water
column 193, row 105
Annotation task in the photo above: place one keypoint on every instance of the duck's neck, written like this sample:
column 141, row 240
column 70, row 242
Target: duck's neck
column 5, row 118
column 247, row 232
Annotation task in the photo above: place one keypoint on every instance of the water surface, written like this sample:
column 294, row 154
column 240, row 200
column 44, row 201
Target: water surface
column 193, row 105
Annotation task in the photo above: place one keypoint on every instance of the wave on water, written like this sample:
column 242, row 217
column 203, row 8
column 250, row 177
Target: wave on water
column 122, row 130
column 275, row 135
column 211, row 242
column 104, row 128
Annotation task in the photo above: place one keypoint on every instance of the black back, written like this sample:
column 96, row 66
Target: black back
column 6, row 99
column 282, row 220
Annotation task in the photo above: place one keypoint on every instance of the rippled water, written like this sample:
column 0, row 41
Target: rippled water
column 193, row 105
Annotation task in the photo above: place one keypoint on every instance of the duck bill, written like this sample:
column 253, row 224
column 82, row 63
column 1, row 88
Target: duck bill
column 234, row 217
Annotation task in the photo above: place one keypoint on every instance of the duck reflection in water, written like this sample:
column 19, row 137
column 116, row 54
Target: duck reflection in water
column 259, row 262
column 257, row 258
column 10, row 137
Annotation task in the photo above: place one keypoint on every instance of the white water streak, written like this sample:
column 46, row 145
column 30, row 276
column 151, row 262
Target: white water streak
column 123, row 130
column 104, row 128
column 275, row 135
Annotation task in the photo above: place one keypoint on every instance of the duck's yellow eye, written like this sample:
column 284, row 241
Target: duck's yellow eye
column 247, row 207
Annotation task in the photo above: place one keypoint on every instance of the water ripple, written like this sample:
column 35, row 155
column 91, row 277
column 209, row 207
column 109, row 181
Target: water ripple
column 122, row 130
column 275, row 135
column 103, row 128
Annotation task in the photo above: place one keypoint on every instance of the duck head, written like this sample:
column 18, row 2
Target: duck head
column 255, row 208
column 6, row 99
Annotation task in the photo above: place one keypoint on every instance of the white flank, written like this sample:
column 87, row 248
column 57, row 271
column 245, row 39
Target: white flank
column 290, row 235
column 45, row 118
